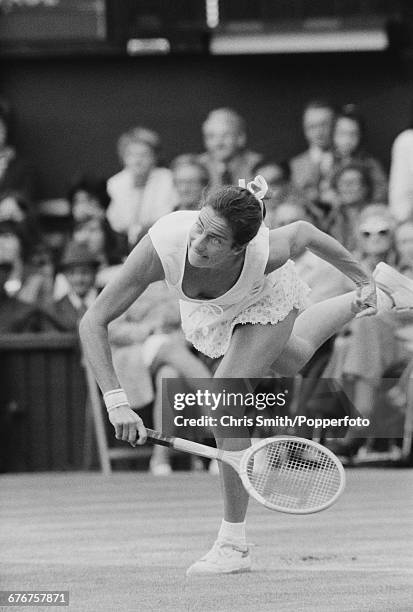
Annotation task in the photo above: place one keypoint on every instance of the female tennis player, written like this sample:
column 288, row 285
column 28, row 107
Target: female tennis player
column 240, row 298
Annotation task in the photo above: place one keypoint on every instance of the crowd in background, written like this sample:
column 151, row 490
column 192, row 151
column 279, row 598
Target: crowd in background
column 56, row 255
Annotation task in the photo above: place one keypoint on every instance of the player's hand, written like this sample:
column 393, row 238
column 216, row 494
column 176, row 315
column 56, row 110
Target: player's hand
column 366, row 299
column 128, row 425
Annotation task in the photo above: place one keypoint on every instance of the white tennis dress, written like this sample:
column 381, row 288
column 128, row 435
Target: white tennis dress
column 254, row 298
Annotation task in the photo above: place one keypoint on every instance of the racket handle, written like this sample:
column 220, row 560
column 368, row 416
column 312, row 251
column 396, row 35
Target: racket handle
column 186, row 446
column 159, row 438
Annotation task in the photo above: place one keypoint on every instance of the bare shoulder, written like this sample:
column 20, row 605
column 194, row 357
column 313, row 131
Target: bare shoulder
column 283, row 245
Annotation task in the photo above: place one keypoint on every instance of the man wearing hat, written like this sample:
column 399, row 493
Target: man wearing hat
column 79, row 266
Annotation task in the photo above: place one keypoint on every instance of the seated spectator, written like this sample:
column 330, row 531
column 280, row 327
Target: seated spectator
column 142, row 192
column 368, row 346
column 352, row 187
column 39, row 278
column 15, row 315
column 348, row 136
column 107, row 246
column 79, row 267
column 310, row 169
column 15, row 174
column 55, row 223
column 88, row 198
column 226, row 157
column 15, row 209
column 376, row 227
column 190, row 179
column 280, row 190
column 403, row 237
column 14, row 245
column 401, row 174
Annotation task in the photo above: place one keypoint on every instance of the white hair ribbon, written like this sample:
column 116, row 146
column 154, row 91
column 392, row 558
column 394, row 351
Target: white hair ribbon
column 258, row 187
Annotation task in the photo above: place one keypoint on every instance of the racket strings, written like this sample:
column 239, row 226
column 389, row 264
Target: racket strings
column 293, row 474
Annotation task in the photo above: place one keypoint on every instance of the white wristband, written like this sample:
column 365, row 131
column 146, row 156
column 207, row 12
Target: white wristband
column 115, row 398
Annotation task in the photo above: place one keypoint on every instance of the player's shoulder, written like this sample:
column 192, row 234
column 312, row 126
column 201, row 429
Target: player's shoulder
column 280, row 241
column 175, row 220
column 169, row 231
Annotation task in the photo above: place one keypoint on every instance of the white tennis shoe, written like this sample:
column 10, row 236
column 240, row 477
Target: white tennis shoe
column 398, row 286
column 223, row 558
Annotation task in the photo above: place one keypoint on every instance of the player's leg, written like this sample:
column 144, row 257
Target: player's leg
column 252, row 350
column 320, row 321
column 312, row 328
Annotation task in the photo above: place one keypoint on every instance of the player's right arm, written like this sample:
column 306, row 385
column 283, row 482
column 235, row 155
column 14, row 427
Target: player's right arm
column 141, row 268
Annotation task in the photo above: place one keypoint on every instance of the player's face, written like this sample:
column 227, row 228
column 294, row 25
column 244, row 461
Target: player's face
column 211, row 243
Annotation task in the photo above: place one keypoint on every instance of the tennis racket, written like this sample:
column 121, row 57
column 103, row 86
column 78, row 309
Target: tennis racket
column 285, row 473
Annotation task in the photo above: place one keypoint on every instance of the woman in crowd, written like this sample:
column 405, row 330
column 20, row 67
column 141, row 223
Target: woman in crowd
column 348, row 146
column 142, row 192
column 88, row 198
column 368, row 346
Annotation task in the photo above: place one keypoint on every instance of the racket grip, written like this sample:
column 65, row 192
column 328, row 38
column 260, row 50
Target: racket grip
column 159, row 438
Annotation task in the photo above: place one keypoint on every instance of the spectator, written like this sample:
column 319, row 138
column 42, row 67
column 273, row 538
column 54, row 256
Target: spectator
column 13, row 244
column 404, row 242
column 55, row 223
column 226, row 157
column 352, row 189
column 88, row 198
column 376, row 227
column 280, row 190
column 190, row 179
column 15, row 316
column 79, row 266
column 401, row 174
column 142, row 192
column 39, row 278
column 310, row 169
column 348, row 135
column 368, row 346
column 15, row 174
column 16, row 210
column 103, row 243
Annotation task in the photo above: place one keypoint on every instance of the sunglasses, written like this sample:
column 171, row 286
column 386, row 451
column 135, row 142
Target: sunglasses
column 368, row 234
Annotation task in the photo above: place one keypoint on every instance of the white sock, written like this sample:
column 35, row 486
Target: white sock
column 234, row 532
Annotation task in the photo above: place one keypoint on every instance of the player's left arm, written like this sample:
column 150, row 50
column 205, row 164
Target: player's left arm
column 290, row 241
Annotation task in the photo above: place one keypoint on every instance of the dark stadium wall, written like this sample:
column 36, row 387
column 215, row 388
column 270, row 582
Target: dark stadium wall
column 70, row 111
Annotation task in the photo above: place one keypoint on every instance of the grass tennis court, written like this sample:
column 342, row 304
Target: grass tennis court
column 123, row 544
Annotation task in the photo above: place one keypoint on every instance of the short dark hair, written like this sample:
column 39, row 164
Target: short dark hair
column 240, row 208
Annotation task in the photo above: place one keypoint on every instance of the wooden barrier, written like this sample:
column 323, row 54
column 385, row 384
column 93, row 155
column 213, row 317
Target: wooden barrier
column 42, row 403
